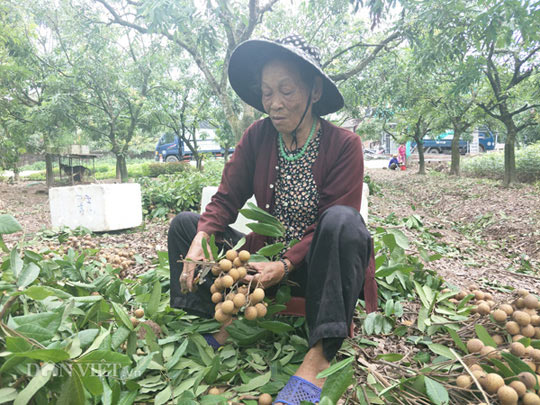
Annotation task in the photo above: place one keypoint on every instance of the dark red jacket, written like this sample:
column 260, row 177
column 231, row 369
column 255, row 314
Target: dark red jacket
column 252, row 170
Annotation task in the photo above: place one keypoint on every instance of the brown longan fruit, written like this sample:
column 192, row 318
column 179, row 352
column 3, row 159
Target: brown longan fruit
column 227, row 281
column 522, row 292
column 265, row 399
column 257, row 295
column 491, row 303
column 227, row 307
column 483, row 309
column 242, row 272
column 221, row 317
column 530, row 399
column 214, row 391
column 535, row 320
column 250, row 313
column 139, row 312
column 475, row 367
column 237, row 262
column 507, row 395
column 531, row 365
column 507, row 308
column 535, row 355
column 528, row 331
column 490, row 352
column 492, row 383
column 474, row 345
column 522, row 318
column 479, row 375
column 134, row 321
column 243, row 289
column 216, row 270
column 531, row 301
column 499, row 340
column 216, row 297
column 517, row 338
column 528, row 379
column 517, row 349
column 537, row 332
column 512, row 327
column 460, row 295
column 473, row 287
column 464, row 381
column 225, row 265
column 520, row 303
column 239, row 300
column 519, row 387
column 488, row 297
column 234, row 274
column 244, row 255
column 218, row 285
column 261, row 310
column 231, row 255
column 479, row 295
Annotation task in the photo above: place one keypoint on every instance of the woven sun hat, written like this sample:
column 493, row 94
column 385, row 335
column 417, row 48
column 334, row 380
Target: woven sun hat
column 248, row 59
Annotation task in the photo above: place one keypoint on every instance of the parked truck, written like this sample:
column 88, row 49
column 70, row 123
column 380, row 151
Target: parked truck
column 170, row 148
column 443, row 142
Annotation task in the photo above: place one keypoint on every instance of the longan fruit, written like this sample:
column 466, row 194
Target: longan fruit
column 507, row 395
column 235, row 274
column 520, row 303
column 230, row 296
column 479, row 375
column 265, row 399
column 231, row 255
column 499, row 340
column 531, row 365
column 473, row 287
column 257, row 295
column 535, row 355
column 261, row 310
column 507, row 308
column 537, row 332
column 479, row 295
column 218, row 284
column 535, row 320
column 491, row 303
column 239, row 300
column 517, row 349
column 464, row 381
column 488, row 297
column 519, row 387
column 460, row 295
column 512, row 327
column 139, row 312
column 528, row 331
column 531, row 301
column 517, row 338
column 227, row 307
column 250, row 313
column 227, row 281
column 134, row 321
column 522, row 318
column 528, row 379
column 225, row 265
column 216, row 297
column 244, row 255
column 242, row 272
column 243, row 289
column 214, row 391
column 492, row 383
column 474, row 345
column 237, row 262
column 522, row 292
column 221, row 317
column 483, row 309
column 216, row 270
column 490, row 352
column 475, row 367
column 530, row 399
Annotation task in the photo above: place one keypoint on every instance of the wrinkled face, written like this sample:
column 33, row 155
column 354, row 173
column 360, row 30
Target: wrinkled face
column 284, row 94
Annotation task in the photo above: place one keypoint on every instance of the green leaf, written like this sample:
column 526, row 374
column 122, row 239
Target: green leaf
column 255, row 383
column 41, row 378
column 457, row 340
column 17, row 344
column 442, row 350
column 271, row 250
column 122, row 315
column 275, row 326
column 337, row 383
column 105, row 357
column 8, row 224
column 28, row 274
column 239, row 244
column 155, row 299
column 177, row 355
column 389, row 357
column 436, row 392
column 204, row 245
column 484, row 336
column 163, row 396
column 15, row 263
column 40, row 292
column 141, row 367
column 335, row 367
column 257, row 214
column 53, row 355
column 265, row 229
column 400, row 237
column 119, row 337
column 7, row 395
column 516, row 364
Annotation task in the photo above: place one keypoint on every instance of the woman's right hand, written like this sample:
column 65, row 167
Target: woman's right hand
column 195, row 253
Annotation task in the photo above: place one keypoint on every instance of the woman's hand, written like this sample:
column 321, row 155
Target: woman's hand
column 268, row 273
column 196, row 253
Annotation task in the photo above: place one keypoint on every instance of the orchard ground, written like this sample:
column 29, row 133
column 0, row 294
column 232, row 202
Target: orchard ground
column 491, row 234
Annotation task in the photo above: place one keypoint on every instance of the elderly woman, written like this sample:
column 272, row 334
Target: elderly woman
column 306, row 172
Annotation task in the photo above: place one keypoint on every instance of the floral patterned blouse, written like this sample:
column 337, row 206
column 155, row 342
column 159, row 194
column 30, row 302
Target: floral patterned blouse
column 296, row 195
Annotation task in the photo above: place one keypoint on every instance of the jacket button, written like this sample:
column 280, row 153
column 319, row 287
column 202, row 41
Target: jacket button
column 271, row 186
column 267, row 206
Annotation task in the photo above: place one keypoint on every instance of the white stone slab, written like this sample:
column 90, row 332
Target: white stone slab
column 98, row 207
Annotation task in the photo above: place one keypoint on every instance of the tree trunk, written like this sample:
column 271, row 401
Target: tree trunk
column 121, row 168
column 16, row 176
column 456, row 156
column 421, row 161
column 49, row 175
column 509, row 155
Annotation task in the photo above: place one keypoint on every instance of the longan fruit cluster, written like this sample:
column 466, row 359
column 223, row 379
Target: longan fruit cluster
column 519, row 319
column 229, row 296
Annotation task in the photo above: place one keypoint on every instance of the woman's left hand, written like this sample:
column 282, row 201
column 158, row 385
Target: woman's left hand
column 268, row 273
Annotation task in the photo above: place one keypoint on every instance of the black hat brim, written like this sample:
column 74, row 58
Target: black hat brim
column 244, row 70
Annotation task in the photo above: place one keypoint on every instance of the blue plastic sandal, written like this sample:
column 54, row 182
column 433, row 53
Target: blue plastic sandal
column 211, row 340
column 298, row 390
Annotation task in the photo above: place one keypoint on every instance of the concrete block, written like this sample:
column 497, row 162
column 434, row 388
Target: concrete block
column 98, row 207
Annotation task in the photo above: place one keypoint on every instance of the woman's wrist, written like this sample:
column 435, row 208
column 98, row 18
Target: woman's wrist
column 287, row 267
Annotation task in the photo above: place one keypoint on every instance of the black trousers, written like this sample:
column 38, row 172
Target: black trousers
column 331, row 278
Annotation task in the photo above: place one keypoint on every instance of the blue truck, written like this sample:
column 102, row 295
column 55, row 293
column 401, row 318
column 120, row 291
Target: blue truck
column 443, row 142
column 171, row 149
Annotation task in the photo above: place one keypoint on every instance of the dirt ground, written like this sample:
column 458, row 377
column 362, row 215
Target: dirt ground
column 492, row 233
